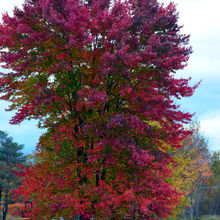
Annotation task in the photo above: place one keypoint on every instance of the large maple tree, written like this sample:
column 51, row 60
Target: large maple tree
column 100, row 78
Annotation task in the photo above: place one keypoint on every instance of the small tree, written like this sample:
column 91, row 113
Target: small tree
column 10, row 155
column 192, row 172
column 100, row 77
column 210, row 203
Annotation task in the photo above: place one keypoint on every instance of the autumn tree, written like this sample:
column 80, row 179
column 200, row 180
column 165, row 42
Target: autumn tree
column 210, row 201
column 192, row 171
column 196, row 147
column 99, row 76
column 10, row 155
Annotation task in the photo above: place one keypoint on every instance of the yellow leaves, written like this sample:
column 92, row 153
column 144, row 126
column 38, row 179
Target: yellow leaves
column 192, row 168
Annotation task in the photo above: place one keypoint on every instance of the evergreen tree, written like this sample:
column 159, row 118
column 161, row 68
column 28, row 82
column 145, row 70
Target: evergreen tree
column 10, row 155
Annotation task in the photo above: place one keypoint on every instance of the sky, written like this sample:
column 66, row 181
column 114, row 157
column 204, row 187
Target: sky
column 201, row 19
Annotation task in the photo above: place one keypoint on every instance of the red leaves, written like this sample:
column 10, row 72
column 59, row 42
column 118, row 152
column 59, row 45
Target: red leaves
column 22, row 28
column 63, row 56
column 100, row 80
column 91, row 98
column 142, row 158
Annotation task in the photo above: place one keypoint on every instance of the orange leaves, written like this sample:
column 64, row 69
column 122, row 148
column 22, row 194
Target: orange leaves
column 193, row 168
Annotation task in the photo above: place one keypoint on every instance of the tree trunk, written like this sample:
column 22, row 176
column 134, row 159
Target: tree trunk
column 197, row 203
column 192, row 204
column 5, row 207
column 4, row 212
column 0, row 193
column 216, row 206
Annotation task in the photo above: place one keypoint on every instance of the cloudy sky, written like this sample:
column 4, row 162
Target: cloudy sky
column 201, row 19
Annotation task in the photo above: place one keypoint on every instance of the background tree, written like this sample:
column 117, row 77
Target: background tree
column 32, row 159
column 210, row 202
column 202, row 166
column 100, row 77
column 192, row 172
column 10, row 155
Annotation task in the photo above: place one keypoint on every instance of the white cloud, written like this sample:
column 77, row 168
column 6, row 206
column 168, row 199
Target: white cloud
column 210, row 125
column 204, row 67
column 8, row 5
column 198, row 16
column 201, row 19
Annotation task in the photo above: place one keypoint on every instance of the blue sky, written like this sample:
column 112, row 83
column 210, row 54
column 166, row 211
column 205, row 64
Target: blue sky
column 201, row 19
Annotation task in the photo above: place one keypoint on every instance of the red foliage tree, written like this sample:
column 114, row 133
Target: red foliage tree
column 100, row 77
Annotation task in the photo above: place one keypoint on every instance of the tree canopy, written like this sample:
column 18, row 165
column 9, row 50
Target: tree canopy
column 100, row 77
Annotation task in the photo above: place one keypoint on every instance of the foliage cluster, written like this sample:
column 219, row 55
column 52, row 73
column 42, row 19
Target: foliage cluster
column 99, row 76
